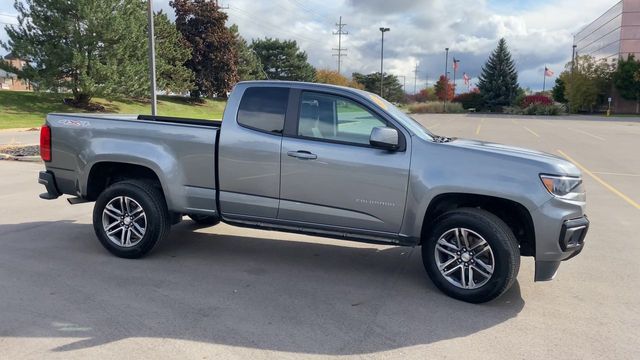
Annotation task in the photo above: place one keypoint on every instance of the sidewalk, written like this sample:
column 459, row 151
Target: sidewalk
column 19, row 137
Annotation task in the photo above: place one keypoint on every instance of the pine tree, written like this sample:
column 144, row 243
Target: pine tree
column 172, row 51
column 90, row 47
column 249, row 65
column 213, row 57
column 559, row 89
column 498, row 82
column 283, row 60
column 627, row 79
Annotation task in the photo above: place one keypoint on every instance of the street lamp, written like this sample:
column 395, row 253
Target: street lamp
column 382, row 30
column 152, row 60
column 446, row 78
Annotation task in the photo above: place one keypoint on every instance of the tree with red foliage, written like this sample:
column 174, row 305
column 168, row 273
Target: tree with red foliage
column 536, row 99
column 444, row 89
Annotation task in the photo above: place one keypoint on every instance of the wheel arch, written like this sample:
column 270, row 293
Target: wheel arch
column 514, row 214
column 104, row 173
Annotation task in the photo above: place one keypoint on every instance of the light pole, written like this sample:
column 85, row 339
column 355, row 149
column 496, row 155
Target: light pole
column 152, row 61
column 573, row 57
column 446, row 78
column 382, row 30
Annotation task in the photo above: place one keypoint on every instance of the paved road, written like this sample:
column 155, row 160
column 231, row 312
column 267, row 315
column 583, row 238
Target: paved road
column 233, row 293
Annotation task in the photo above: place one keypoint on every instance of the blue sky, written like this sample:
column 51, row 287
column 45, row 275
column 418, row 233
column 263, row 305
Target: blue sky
column 539, row 33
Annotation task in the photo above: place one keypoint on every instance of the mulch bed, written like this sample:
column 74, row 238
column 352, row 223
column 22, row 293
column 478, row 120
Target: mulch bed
column 17, row 150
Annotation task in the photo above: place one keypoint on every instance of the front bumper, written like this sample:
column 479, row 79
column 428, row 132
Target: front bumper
column 571, row 241
column 47, row 179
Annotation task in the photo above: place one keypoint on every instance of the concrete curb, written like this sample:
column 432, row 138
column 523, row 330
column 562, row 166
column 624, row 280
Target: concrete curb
column 34, row 159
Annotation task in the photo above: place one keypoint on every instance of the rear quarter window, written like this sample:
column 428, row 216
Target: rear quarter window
column 264, row 108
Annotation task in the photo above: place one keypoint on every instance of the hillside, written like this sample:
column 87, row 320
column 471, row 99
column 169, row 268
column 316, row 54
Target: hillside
column 28, row 109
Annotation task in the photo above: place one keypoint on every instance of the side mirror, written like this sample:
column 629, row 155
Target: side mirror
column 384, row 138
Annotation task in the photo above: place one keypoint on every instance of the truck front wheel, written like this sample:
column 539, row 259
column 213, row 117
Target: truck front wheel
column 471, row 255
column 130, row 217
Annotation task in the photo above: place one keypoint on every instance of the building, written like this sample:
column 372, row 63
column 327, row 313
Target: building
column 613, row 35
column 9, row 80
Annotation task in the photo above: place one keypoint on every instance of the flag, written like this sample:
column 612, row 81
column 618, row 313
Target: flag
column 466, row 78
column 547, row 72
column 455, row 64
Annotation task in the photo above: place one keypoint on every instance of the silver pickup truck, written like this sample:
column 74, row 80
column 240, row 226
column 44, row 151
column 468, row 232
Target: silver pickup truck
column 325, row 161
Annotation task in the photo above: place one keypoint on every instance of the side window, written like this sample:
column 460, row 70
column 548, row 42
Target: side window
column 335, row 118
column 264, row 108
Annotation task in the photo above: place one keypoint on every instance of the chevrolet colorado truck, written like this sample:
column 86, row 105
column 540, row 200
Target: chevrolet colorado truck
column 325, row 161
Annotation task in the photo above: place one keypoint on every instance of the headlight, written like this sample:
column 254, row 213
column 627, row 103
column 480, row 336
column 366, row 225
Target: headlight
column 562, row 186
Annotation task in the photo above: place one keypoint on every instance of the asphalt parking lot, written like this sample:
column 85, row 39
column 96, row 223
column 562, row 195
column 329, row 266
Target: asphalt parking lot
column 233, row 293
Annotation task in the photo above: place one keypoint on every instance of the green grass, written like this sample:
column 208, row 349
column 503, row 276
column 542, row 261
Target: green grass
column 28, row 109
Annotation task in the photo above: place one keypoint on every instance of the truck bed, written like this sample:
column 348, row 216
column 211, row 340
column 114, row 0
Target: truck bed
column 180, row 151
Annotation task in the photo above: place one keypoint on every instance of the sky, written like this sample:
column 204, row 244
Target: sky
column 539, row 33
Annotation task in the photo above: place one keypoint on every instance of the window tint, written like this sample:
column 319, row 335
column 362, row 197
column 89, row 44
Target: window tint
column 335, row 118
column 264, row 108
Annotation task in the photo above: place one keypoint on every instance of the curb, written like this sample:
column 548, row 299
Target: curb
column 33, row 159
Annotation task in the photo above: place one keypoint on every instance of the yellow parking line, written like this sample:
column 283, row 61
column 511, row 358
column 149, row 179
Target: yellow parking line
column 589, row 134
column 514, row 121
column 479, row 127
column 531, row 131
column 602, row 182
column 615, row 174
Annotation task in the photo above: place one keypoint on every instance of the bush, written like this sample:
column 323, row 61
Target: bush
column 433, row 107
column 535, row 99
column 534, row 109
column 470, row 100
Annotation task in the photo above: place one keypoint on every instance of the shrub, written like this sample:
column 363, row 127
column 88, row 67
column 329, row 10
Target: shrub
column 542, row 109
column 470, row 100
column 535, row 99
column 433, row 107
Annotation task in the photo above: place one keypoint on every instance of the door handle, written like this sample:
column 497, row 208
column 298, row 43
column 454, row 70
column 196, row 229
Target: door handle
column 302, row 154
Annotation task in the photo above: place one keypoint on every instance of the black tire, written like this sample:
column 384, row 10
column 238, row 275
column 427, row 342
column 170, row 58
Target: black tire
column 206, row 220
column 158, row 220
column 496, row 233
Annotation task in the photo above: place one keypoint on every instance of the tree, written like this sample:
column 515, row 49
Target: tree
column 558, row 91
column 90, row 47
column 626, row 79
column 392, row 87
column 326, row 76
column 283, row 60
column 498, row 82
column 588, row 84
column 172, row 51
column 424, row 95
column 214, row 58
column 444, row 89
column 249, row 65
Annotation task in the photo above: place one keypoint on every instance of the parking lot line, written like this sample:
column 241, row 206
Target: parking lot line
column 531, row 131
column 615, row 174
column 479, row 127
column 602, row 182
column 588, row 134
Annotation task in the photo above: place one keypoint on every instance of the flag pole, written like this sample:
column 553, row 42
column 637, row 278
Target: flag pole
column 544, row 78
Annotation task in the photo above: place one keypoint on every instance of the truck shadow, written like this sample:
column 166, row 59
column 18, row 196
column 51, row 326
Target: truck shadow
column 269, row 292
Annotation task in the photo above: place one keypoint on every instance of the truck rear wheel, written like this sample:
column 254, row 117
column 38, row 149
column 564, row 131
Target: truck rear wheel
column 130, row 217
column 471, row 255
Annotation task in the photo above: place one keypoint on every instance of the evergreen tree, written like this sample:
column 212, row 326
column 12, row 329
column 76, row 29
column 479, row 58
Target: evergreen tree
column 392, row 87
column 283, row 60
column 249, row 65
column 558, row 90
column 90, row 47
column 213, row 52
column 627, row 79
column 172, row 51
column 498, row 82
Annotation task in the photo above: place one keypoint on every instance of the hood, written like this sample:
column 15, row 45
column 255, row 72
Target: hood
column 558, row 165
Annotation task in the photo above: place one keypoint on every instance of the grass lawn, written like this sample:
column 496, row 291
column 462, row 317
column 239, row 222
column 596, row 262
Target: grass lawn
column 28, row 109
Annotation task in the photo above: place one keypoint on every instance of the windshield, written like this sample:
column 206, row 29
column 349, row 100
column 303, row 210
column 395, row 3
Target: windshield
column 412, row 124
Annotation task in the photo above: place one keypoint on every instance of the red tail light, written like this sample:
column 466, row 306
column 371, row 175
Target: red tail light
column 45, row 143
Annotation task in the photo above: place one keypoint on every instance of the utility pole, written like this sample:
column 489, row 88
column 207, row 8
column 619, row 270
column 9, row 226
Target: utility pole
column 382, row 30
column 415, row 79
column 446, row 78
column 152, row 61
column 340, row 49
